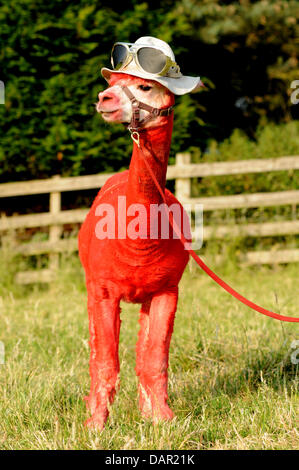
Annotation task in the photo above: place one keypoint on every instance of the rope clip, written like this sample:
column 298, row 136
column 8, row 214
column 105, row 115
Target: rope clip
column 135, row 137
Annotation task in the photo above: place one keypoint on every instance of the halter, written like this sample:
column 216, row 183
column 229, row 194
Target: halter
column 136, row 124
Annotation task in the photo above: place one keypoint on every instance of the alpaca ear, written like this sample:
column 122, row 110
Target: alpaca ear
column 198, row 87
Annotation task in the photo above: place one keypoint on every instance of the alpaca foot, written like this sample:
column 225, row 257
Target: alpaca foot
column 145, row 405
column 158, row 412
column 97, row 421
column 162, row 413
column 153, row 402
column 90, row 401
column 146, row 413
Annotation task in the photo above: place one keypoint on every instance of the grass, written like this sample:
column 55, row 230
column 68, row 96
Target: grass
column 232, row 384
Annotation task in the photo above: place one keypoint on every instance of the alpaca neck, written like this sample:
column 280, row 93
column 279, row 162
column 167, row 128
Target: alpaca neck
column 155, row 147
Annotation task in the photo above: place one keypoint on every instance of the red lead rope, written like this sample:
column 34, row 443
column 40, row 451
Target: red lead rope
column 203, row 266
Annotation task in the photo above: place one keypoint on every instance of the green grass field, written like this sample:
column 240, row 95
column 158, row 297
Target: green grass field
column 232, row 384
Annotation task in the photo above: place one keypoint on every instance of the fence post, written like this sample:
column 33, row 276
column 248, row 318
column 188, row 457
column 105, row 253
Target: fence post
column 182, row 185
column 55, row 230
column 294, row 211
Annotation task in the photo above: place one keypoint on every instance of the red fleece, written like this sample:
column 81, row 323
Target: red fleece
column 145, row 271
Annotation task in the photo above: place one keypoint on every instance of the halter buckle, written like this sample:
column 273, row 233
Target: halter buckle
column 135, row 136
column 134, row 102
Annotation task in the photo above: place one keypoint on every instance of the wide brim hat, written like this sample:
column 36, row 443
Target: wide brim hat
column 179, row 85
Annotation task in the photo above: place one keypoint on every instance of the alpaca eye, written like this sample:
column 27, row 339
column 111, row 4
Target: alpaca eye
column 144, row 87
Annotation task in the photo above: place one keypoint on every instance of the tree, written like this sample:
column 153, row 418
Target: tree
column 248, row 50
column 51, row 54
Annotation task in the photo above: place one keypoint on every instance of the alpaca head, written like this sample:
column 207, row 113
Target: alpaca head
column 115, row 106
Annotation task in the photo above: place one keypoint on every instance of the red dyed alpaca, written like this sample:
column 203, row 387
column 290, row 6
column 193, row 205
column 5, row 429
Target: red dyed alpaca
column 141, row 270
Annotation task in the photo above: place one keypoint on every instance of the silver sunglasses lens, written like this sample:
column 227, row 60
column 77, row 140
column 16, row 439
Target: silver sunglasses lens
column 119, row 55
column 151, row 60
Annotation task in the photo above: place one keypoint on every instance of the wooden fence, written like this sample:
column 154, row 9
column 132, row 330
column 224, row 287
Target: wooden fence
column 181, row 172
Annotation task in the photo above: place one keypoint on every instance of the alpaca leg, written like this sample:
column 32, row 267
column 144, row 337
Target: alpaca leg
column 153, row 375
column 144, row 404
column 91, row 398
column 104, row 321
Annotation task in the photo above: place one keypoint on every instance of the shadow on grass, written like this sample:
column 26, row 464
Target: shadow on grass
column 275, row 369
column 217, row 373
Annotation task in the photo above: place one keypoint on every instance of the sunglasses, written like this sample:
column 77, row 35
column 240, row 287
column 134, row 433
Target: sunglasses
column 147, row 58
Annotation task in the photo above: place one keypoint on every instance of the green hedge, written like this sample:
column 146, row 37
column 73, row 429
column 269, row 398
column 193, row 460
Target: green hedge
column 272, row 141
column 50, row 59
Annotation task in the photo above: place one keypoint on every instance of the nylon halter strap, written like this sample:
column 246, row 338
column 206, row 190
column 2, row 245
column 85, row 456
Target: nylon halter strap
column 136, row 125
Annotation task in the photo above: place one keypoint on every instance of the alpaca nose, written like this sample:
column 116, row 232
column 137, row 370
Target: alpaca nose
column 105, row 96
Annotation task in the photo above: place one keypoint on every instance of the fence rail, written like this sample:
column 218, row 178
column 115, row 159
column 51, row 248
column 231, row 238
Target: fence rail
column 182, row 169
column 181, row 172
